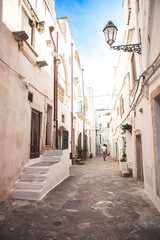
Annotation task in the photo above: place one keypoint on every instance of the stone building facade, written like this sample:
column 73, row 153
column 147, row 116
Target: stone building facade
column 75, row 101
column 136, row 103
column 39, row 66
column 27, row 76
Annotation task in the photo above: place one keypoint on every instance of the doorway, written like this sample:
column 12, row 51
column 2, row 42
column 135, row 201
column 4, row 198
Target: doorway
column 116, row 149
column 139, row 159
column 48, row 125
column 157, row 139
column 35, row 134
column 73, row 142
column 62, row 138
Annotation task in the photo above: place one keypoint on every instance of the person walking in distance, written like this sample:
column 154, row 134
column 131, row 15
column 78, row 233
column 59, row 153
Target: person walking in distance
column 104, row 152
column 106, row 149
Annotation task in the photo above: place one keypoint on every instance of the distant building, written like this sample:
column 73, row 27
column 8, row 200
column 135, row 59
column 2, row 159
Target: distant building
column 72, row 93
column 102, row 130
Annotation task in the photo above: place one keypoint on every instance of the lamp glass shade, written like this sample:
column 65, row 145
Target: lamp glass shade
column 110, row 32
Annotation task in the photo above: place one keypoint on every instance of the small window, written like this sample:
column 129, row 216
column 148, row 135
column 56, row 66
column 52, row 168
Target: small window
column 26, row 25
column 137, row 5
column 133, row 69
column 52, row 4
column 63, row 118
column 117, row 110
column 30, row 97
column 121, row 101
column 108, row 125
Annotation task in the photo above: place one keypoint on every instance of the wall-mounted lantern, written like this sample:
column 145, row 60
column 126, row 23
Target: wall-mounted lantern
column 110, row 32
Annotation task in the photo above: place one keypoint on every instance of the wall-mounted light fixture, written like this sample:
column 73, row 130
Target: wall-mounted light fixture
column 42, row 64
column 141, row 110
column 110, row 32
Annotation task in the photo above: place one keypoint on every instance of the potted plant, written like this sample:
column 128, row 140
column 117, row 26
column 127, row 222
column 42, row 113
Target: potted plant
column 123, row 160
column 125, row 127
column 79, row 152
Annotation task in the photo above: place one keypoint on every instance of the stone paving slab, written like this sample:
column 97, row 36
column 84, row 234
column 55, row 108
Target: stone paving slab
column 94, row 203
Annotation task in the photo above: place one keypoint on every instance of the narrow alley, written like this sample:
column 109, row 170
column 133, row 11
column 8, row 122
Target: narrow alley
column 94, row 203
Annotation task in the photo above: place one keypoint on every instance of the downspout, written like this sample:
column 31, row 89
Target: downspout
column 51, row 29
column 71, row 154
column 84, row 111
column 56, row 99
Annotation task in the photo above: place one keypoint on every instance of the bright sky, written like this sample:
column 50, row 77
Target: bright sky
column 87, row 19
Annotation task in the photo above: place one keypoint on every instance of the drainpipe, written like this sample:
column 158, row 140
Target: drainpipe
column 83, row 110
column 51, row 29
column 71, row 154
column 56, row 99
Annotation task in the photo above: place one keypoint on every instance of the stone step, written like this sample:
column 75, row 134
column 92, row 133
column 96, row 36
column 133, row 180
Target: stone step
column 33, row 161
column 29, row 184
column 33, row 176
column 40, row 176
column 53, row 152
column 49, row 158
column 28, row 194
column 41, row 167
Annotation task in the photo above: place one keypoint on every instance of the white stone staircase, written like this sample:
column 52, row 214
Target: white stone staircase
column 41, row 175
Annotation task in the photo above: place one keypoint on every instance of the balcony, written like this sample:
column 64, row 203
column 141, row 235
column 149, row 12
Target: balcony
column 80, row 110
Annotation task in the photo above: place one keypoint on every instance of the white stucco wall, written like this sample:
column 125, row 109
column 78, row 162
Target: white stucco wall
column 144, row 19
column 15, row 108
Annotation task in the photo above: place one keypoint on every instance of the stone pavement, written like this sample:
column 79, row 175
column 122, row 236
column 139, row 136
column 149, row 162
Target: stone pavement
column 94, row 203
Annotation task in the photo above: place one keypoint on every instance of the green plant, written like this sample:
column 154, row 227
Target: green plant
column 85, row 150
column 126, row 126
column 124, row 155
column 79, row 152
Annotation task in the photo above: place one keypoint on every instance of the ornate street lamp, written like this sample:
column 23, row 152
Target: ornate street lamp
column 110, row 32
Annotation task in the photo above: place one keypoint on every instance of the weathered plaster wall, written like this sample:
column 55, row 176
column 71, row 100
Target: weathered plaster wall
column 144, row 22
column 15, row 108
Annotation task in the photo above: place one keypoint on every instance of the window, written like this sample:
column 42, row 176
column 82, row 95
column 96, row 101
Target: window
column 121, row 103
column 137, row 5
column 52, row 4
column 26, row 25
column 129, row 12
column 117, row 110
column 30, row 97
column 63, row 118
column 133, row 69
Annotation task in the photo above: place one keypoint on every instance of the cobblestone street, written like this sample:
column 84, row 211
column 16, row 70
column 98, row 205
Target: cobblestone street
column 94, row 203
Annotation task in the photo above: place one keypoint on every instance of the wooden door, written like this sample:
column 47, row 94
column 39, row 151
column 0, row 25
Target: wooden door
column 65, row 140
column 140, row 175
column 35, row 134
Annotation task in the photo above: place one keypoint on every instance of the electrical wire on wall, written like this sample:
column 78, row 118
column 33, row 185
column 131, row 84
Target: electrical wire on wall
column 26, row 84
column 154, row 68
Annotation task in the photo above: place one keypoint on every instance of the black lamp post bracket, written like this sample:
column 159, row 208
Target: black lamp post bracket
column 128, row 48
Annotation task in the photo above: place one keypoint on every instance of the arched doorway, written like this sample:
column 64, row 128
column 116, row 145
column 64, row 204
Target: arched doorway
column 62, row 138
column 79, row 145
